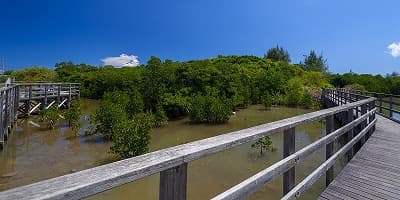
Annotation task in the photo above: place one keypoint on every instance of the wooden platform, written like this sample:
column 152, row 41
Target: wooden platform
column 374, row 172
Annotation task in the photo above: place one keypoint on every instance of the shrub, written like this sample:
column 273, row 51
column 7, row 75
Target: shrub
column 174, row 104
column 355, row 86
column 132, row 137
column 107, row 116
column 263, row 143
column 198, row 109
column 279, row 99
column 160, row 118
column 118, row 97
column 294, row 92
column 267, row 100
column 73, row 115
column 308, row 100
column 218, row 111
column 209, row 109
column 51, row 115
column 135, row 105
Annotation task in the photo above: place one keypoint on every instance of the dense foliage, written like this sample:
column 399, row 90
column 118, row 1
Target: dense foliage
column 34, row 74
column 278, row 54
column 120, row 118
column 313, row 62
column 177, row 89
column 209, row 109
column 51, row 116
column 131, row 137
column 373, row 83
column 73, row 115
column 108, row 116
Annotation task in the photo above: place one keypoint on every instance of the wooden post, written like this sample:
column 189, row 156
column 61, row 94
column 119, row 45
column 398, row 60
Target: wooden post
column 363, row 124
column 371, row 118
column 12, row 96
column 289, row 138
column 59, row 94
column 69, row 96
column 329, row 148
column 391, row 106
column 17, row 101
column 79, row 92
column 350, row 134
column 173, row 183
column 45, row 96
column 6, row 114
column 1, row 119
column 380, row 103
column 28, row 102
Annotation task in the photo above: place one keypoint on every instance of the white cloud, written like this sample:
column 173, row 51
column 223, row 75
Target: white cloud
column 122, row 60
column 394, row 49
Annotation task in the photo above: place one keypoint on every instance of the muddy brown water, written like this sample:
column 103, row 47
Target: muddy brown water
column 35, row 153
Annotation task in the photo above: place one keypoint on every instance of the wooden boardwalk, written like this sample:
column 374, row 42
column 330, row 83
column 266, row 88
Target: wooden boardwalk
column 374, row 172
column 24, row 99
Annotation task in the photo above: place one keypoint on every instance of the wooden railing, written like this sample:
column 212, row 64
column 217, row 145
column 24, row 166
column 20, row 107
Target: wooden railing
column 388, row 105
column 42, row 90
column 8, row 111
column 32, row 96
column 172, row 162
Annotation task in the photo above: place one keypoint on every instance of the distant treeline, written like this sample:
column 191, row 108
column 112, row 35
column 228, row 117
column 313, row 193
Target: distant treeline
column 244, row 79
column 234, row 80
column 390, row 83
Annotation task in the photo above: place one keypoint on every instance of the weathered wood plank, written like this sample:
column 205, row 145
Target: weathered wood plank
column 329, row 149
column 366, row 190
column 173, row 183
column 289, row 139
column 375, row 169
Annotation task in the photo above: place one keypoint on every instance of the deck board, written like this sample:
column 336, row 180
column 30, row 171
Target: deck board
column 374, row 172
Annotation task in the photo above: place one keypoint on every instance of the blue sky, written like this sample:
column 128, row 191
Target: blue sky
column 351, row 34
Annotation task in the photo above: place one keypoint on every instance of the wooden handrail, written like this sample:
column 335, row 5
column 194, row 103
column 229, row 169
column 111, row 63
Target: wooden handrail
column 170, row 162
column 13, row 94
column 262, row 178
column 316, row 174
column 380, row 104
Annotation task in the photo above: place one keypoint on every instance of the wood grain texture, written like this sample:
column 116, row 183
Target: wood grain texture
column 173, row 183
column 289, row 139
column 329, row 148
column 374, row 172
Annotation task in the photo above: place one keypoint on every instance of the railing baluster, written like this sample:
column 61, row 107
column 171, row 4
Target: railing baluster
column 1, row 121
column 58, row 93
column 372, row 117
column 289, row 138
column 364, row 123
column 350, row 134
column 45, row 95
column 173, row 183
column 391, row 106
column 329, row 148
